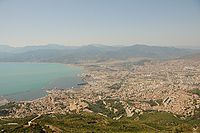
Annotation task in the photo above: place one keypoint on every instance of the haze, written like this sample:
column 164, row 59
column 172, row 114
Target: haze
column 113, row 22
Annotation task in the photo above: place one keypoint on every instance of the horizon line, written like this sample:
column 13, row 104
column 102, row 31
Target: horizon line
column 113, row 45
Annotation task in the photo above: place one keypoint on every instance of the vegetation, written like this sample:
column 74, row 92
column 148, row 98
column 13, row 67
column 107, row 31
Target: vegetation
column 18, row 127
column 150, row 121
column 107, row 107
column 9, row 105
column 116, row 86
column 6, row 109
column 196, row 91
column 151, row 102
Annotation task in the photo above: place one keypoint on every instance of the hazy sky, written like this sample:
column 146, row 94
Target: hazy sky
column 77, row 22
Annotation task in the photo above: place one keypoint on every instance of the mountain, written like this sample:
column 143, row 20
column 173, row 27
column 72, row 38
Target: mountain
column 6, row 48
column 73, row 54
column 195, row 56
column 153, row 51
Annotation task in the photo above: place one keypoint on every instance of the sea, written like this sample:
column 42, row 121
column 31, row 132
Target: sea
column 29, row 81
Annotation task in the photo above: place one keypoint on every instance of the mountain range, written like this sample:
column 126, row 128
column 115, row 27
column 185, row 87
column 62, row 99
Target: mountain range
column 75, row 54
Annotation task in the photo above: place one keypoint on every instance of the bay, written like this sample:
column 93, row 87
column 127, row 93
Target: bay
column 28, row 81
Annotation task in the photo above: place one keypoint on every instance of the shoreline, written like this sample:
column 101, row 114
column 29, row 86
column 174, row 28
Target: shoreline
column 112, row 83
column 46, row 90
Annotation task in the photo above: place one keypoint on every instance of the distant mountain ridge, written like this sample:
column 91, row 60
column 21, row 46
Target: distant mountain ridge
column 73, row 54
column 6, row 48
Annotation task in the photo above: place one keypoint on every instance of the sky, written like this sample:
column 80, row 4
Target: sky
column 112, row 22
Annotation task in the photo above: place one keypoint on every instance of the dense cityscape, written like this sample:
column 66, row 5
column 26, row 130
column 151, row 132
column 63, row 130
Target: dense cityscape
column 99, row 66
column 137, row 84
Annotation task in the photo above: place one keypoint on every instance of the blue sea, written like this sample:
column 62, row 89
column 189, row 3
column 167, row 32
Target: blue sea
column 28, row 81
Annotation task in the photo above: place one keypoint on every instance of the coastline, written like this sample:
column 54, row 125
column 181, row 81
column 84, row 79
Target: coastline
column 4, row 99
column 112, row 81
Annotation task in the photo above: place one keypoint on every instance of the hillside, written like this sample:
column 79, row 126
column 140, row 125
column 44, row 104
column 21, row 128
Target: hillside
column 86, row 122
column 67, row 54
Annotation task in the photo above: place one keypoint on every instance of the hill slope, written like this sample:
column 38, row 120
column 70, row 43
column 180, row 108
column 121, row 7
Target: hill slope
column 66, row 54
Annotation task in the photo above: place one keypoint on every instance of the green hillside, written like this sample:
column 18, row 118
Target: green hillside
column 94, row 123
